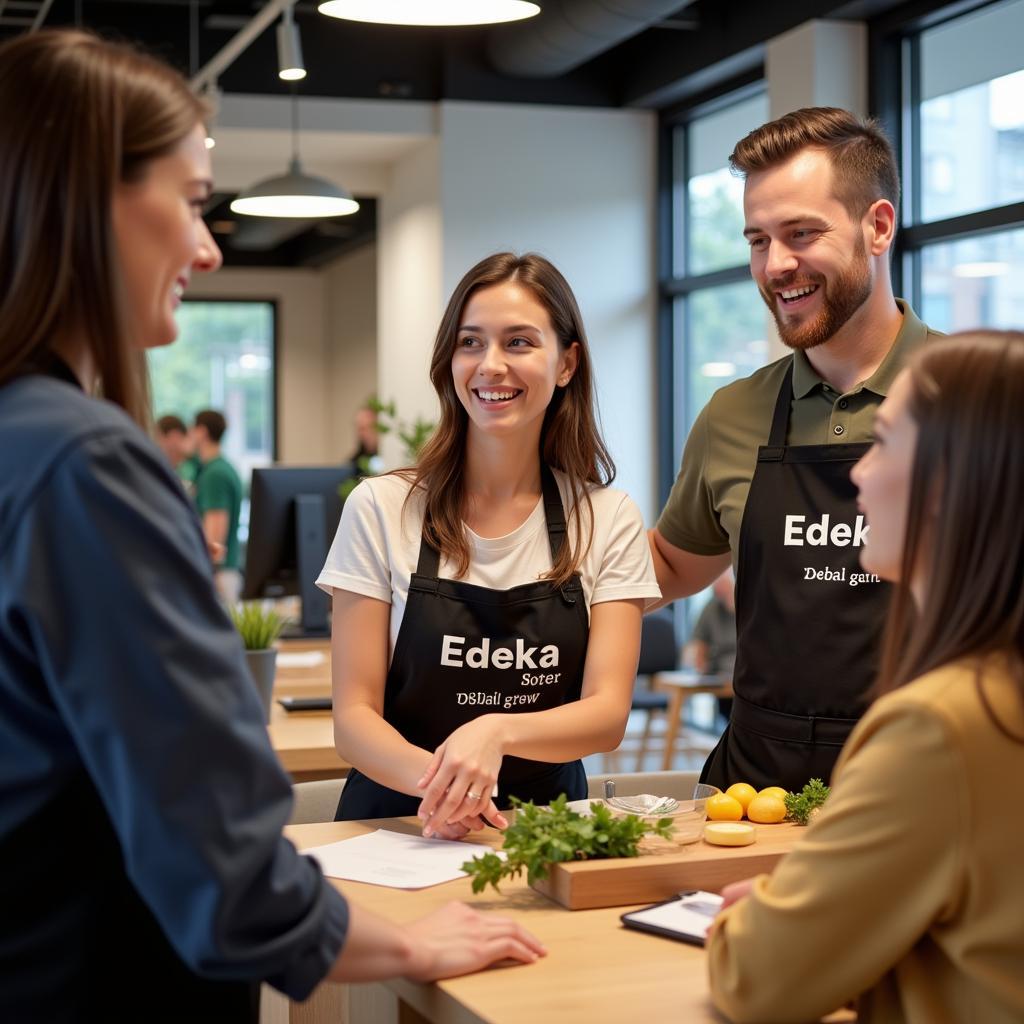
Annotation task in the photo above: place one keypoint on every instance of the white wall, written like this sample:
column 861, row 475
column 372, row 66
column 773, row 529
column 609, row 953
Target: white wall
column 350, row 294
column 409, row 238
column 818, row 64
column 578, row 186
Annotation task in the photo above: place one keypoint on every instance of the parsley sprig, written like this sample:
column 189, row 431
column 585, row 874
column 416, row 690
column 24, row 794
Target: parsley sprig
column 800, row 806
column 542, row 836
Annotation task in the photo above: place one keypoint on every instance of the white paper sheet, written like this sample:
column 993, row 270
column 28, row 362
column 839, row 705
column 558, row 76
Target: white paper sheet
column 300, row 659
column 396, row 860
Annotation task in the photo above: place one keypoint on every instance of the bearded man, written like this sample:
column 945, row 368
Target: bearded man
column 764, row 482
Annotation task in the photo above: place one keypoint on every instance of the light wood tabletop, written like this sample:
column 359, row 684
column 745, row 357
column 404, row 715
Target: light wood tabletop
column 595, row 971
column 304, row 740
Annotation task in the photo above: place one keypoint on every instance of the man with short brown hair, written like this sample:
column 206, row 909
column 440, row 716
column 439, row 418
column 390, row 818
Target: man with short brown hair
column 764, row 482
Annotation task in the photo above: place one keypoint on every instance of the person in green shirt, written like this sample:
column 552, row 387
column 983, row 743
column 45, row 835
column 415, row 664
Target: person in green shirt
column 765, row 477
column 218, row 496
column 175, row 442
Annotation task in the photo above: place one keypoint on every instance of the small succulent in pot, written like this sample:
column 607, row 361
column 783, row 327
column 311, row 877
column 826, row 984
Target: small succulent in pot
column 259, row 628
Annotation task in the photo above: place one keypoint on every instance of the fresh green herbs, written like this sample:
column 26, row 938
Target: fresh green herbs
column 542, row 836
column 800, row 807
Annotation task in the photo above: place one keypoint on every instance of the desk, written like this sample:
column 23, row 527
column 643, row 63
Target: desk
column 304, row 740
column 596, row 972
column 681, row 686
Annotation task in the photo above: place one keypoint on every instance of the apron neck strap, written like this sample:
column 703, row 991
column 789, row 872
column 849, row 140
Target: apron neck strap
column 780, row 418
column 554, row 511
column 429, row 561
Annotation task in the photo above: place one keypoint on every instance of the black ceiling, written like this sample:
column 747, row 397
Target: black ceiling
column 349, row 59
column 690, row 52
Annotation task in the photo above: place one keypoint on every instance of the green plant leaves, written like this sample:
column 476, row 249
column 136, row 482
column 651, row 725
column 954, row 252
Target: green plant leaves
column 800, row 806
column 257, row 628
column 542, row 836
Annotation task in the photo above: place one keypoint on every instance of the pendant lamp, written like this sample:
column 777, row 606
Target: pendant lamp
column 431, row 12
column 295, row 194
column 290, row 67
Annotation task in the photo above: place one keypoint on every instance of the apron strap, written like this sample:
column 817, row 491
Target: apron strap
column 780, row 419
column 429, row 561
column 554, row 511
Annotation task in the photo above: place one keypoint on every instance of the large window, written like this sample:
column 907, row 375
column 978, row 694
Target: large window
column 963, row 169
column 223, row 359
column 714, row 324
column 716, row 331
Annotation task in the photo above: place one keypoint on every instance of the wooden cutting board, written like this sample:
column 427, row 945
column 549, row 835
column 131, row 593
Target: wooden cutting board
column 664, row 869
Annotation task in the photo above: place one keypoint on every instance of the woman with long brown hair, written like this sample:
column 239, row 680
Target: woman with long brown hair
column 907, row 893
column 143, row 873
column 487, row 602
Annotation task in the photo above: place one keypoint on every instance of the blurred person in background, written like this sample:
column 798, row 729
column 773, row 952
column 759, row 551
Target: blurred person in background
column 218, row 497
column 176, row 443
column 711, row 649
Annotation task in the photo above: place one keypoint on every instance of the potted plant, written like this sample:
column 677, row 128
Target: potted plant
column 259, row 628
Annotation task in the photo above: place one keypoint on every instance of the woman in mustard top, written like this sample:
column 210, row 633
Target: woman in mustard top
column 907, row 894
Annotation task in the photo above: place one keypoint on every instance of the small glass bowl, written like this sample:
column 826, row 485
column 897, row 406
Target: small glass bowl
column 688, row 816
column 688, row 820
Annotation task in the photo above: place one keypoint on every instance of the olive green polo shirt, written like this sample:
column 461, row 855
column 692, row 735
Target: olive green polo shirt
column 705, row 509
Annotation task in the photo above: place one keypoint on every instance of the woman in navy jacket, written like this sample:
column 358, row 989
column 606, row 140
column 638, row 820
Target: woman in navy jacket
column 141, row 805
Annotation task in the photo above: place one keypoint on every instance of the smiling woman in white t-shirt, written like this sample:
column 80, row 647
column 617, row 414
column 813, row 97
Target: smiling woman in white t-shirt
column 487, row 602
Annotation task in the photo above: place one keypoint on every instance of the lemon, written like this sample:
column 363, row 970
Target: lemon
column 722, row 807
column 767, row 809
column 774, row 791
column 742, row 793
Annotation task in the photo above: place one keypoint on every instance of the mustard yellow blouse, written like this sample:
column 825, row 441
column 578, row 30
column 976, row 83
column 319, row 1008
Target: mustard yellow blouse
column 907, row 893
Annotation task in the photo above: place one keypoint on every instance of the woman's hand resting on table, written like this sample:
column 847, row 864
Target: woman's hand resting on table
column 459, row 940
column 459, row 780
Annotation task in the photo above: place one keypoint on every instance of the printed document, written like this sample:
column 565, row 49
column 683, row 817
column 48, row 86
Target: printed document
column 396, row 860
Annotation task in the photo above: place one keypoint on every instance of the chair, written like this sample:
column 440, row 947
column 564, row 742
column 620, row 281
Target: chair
column 675, row 784
column 658, row 653
column 316, row 801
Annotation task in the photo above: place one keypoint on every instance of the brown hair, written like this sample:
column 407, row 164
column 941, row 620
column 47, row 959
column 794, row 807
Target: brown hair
column 967, row 398
column 79, row 116
column 212, row 422
column 863, row 163
column 570, row 440
column 171, row 424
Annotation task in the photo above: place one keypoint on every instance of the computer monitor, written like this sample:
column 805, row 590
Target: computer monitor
column 294, row 513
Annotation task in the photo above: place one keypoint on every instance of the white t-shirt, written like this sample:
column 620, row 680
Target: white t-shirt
column 376, row 548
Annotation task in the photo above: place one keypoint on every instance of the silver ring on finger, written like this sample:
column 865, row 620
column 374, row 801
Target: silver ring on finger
column 472, row 795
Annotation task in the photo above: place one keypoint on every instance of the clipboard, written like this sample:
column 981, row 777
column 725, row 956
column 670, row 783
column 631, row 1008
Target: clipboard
column 685, row 918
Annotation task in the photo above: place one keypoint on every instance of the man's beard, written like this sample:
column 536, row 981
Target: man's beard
column 846, row 293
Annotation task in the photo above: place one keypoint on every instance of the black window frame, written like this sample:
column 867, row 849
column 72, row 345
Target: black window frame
column 670, row 285
column 894, row 76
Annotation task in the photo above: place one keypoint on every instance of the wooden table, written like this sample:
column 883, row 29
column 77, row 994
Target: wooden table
column 304, row 740
column 681, row 686
column 596, row 971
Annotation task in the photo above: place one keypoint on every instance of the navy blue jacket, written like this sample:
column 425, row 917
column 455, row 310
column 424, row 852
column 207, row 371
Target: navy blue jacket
column 141, row 805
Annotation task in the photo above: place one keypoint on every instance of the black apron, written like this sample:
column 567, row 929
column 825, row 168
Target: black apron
column 808, row 618
column 464, row 651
